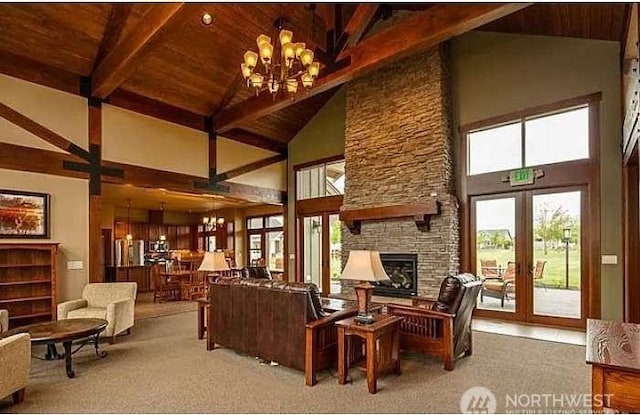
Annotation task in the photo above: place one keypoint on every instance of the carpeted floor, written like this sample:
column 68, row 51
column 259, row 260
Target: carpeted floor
column 146, row 308
column 162, row 367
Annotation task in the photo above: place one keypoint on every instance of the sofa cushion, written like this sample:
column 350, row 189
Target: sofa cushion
column 89, row 312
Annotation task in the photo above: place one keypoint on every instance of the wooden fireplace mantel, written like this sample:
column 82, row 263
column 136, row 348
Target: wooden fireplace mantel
column 421, row 213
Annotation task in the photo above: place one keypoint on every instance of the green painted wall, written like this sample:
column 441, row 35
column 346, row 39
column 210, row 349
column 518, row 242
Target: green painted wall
column 322, row 137
column 495, row 74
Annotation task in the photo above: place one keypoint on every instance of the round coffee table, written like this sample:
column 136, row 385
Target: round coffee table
column 78, row 330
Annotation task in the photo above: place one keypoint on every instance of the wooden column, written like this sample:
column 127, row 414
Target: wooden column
column 213, row 150
column 96, row 268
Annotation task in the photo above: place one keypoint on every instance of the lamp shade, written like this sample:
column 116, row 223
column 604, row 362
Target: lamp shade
column 364, row 266
column 213, row 262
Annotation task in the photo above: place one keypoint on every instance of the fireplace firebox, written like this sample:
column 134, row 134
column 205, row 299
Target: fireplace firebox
column 402, row 270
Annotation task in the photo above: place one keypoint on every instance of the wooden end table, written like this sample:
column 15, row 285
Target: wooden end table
column 613, row 351
column 382, row 346
column 79, row 330
column 203, row 311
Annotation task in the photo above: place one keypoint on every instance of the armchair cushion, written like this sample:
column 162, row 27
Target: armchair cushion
column 65, row 308
column 15, row 363
column 88, row 312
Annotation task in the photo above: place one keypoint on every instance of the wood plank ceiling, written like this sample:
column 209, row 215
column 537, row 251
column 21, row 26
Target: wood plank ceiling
column 193, row 70
column 602, row 21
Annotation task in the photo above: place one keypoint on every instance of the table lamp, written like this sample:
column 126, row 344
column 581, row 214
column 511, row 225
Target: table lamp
column 214, row 262
column 364, row 266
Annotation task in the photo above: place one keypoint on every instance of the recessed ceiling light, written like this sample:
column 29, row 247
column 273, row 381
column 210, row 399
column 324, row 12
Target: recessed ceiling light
column 206, row 18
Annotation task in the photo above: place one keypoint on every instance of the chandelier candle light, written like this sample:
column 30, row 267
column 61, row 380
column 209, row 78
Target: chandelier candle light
column 285, row 68
column 364, row 266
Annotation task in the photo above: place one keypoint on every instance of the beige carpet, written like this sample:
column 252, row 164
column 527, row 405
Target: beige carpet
column 146, row 308
column 162, row 367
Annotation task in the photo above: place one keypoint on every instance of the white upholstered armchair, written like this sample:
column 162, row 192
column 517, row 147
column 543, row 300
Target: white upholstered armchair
column 113, row 302
column 15, row 362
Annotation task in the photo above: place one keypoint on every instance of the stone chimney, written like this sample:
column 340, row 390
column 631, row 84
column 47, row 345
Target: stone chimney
column 398, row 150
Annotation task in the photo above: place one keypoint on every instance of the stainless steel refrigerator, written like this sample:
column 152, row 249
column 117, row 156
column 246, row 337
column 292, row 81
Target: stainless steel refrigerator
column 129, row 252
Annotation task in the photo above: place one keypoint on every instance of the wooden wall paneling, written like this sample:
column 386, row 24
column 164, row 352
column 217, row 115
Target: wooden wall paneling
column 631, row 242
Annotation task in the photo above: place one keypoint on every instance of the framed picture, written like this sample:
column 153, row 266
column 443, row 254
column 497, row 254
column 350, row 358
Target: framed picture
column 24, row 215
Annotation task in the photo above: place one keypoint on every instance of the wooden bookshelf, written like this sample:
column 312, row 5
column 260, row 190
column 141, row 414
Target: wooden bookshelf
column 28, row 282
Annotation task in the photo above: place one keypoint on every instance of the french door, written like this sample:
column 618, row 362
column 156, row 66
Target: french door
column 320, row 239
column 528, row 248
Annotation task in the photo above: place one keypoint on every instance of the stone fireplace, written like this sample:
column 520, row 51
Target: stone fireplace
column 398, row 152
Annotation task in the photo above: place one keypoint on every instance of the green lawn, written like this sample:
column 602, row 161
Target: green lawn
column 554, row 270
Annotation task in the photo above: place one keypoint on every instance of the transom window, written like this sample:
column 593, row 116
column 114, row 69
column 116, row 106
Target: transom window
column 326, row 179
column 531, row 141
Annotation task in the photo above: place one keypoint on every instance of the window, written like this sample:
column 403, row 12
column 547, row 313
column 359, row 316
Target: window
column 532, row 141
column 265, row 238
column 326, row 179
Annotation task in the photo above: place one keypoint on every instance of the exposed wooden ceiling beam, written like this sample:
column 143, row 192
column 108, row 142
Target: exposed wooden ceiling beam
column 411, row 35
column 42, row 132
column 256, row 140
column 361, row 19
column 147, row 106
column 39, row 73
column 125, row 56
column 113, row 31
column 248, row 168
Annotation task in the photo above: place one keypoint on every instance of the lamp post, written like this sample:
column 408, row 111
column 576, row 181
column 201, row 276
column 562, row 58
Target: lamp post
column 566, row 234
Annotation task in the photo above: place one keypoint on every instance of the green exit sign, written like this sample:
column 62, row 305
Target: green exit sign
column 521, row 177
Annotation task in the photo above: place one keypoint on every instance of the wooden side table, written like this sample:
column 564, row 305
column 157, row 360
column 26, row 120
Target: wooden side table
column 613, row 351
column 382, row 346
column 203, row 308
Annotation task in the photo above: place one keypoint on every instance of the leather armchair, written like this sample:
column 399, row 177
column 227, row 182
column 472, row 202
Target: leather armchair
column 441, row 327
column 113, row 302
column 15, row 362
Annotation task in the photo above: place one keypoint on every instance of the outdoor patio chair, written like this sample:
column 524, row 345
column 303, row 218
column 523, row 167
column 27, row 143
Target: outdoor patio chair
column 502, row 287
column 538, row 273
column 489, row 269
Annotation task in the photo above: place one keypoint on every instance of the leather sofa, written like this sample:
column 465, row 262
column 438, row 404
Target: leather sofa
column 15, row 361
column 112, row 301
column 441, row 327
column 276, row 321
